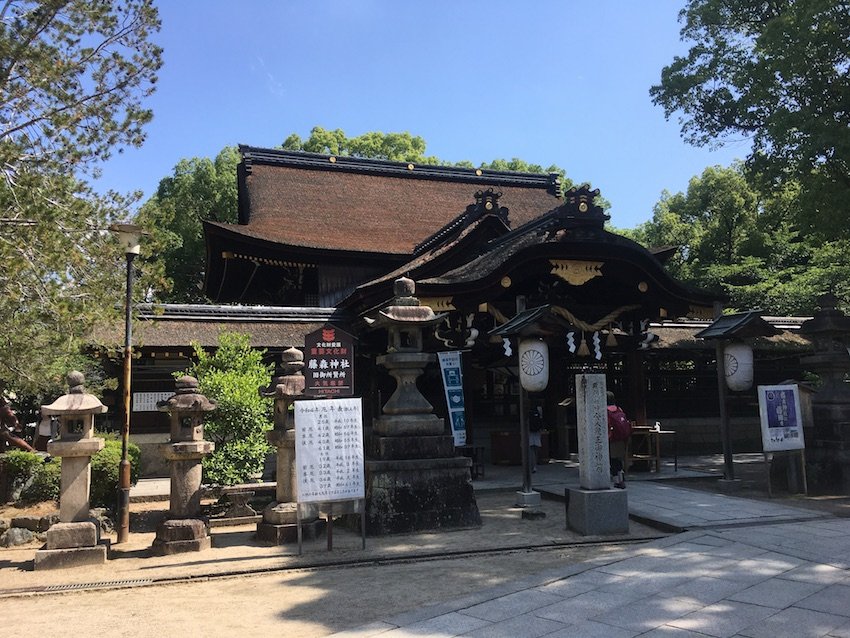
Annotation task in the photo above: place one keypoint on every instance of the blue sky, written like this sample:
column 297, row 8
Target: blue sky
column 552, row 82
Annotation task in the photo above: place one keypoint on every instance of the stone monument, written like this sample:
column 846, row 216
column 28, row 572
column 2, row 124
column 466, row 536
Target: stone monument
column 185, row 530
column 75, row 540
column 595, row 508
column 279, row 524
column 414, row 479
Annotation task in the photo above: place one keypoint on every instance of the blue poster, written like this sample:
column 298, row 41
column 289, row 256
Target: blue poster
column 453, row 386
column 781, row 421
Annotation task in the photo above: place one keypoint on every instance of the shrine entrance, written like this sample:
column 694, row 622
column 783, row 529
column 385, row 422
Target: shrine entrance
column 599, row 293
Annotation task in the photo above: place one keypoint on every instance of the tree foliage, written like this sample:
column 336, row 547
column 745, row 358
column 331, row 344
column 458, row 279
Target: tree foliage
column 746, row 245
column 73, row 77
column 779, row 73
column 198, row 189
column 202, row 189
column 232, row 376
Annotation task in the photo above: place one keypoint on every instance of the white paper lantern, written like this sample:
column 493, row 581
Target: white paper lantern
column 738, row 359
column 533, row 364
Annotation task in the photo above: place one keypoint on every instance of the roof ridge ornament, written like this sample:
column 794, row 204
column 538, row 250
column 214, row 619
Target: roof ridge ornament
column 579, row 204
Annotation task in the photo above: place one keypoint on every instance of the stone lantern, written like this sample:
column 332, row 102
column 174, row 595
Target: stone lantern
column 75, row 540
column 414, row 478
column 407, row 411
column 829, row 331
column 279, row 524
column 185, row 530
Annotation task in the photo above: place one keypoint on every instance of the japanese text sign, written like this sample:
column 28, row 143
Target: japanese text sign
column 329, row 363
column 329, row 450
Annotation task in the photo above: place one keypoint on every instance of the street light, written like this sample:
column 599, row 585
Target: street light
column 128, row 236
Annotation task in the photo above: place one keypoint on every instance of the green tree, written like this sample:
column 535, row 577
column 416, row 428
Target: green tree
column 775, row 72
column 745, row 245
column 395, row 147
column 73, row 78
column 202, row 189
column 231, row 376
column 198, row 189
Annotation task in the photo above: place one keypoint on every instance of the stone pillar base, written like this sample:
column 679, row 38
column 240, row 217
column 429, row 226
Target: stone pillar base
column 280, row 524
column 597, row 512
column 729, row 486
column 288, row 533
column 72, row 545
column 527, row 499
column 71, row 557
column 176, row 536
column 414, row 495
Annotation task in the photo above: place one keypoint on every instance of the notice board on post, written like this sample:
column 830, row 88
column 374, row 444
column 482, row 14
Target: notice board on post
column 781, row 420
column 329, row 450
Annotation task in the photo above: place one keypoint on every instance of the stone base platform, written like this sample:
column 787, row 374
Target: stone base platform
column 180, row 535
column 423, row 494
column 71, row 557
column 72, row 545
column 279, row 523
column 288, row 533
column 412, row 447
column 230, row 521
column 597, row 512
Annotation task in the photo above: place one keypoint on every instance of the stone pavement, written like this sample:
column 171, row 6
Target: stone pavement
column 745, row 568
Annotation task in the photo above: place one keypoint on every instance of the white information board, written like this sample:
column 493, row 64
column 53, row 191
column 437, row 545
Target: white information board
column 781, row 421
column 329, row 450
column 146, row 401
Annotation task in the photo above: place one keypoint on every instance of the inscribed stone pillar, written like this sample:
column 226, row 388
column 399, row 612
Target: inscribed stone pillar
column 595, row 508
column 591, row 405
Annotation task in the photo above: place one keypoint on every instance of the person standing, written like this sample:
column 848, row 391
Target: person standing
column 619, row 431
column 10, row 428
column 535, row 430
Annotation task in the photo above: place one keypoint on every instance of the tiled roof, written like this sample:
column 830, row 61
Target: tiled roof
column 175, row 325
column 343, row 203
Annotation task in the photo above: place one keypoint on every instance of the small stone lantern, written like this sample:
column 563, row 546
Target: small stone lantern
column 75, row 540
column 185, row 530
column 279, row 524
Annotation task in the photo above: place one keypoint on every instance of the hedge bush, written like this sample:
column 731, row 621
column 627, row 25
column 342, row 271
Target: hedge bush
column 45, row 483
column 105, row 471
column 231, row 376
column 37, row 481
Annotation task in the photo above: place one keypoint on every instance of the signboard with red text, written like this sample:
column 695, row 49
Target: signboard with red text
column 329, row 363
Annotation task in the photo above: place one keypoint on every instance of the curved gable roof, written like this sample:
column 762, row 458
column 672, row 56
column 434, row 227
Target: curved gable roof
column 352, row 204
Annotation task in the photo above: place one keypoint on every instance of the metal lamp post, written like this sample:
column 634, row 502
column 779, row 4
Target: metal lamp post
column 129, row 236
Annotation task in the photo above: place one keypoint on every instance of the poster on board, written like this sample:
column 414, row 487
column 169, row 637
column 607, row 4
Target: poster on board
column 453, row 385
column 329, row 450
column 781, row 420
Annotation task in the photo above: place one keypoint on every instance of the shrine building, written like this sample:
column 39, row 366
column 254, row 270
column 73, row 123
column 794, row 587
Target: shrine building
column 321, row 239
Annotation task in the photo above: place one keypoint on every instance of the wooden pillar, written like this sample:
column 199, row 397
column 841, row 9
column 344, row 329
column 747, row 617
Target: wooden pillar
column 637, row 386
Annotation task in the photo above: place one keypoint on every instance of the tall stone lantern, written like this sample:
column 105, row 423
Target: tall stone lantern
column 75, row 540
column 414, row 478
column 829, row 331
column 185, row 530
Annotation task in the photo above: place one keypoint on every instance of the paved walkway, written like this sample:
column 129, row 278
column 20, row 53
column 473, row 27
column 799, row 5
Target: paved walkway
column 746, row 568
column 780, row 580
